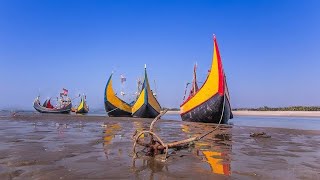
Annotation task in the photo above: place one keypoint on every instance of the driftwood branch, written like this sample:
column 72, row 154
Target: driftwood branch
column 156, row 119
column 156, row 145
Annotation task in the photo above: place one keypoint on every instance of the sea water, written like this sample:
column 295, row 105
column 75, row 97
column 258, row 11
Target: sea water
column 303, row 123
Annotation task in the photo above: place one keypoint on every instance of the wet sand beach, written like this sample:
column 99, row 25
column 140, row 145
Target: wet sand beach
column 45, row 146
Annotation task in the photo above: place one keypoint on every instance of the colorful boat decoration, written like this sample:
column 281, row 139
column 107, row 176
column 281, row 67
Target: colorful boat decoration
column 64, row 107
column 146, row 105
column 114, row 106
column 82, row 108
column 47, row 104
column 210, row 103
column 64, row 104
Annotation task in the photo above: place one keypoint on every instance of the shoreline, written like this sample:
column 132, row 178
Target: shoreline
column 69, row 118
column 311, row 114
column 268, row 113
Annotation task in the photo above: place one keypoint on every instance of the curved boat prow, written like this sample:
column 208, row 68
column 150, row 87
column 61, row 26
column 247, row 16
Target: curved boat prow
column 211, row 103
column 114, row 106
column 82, row 107
column 146, row 105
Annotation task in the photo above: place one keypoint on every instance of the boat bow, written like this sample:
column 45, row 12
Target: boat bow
column 206, row 104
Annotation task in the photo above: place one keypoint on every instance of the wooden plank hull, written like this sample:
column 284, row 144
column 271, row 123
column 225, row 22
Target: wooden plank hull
column 210, row 111
column 41, row 109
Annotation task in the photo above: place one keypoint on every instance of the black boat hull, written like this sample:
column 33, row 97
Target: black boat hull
column 146, row 111
column 113, row 111
column 82, row 111
column 210, row 111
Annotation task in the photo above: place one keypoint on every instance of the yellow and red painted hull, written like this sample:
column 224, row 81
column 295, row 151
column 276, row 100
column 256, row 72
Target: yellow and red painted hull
column 211, row 102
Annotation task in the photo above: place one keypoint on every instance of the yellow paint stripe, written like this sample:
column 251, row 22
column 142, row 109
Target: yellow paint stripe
column 152, row 100
column 114, row 100
column 139, row 102
column 209, row 89
column 80, row 105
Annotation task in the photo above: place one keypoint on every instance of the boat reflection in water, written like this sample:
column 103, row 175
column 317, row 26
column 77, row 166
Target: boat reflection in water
column 148, row 167
column 138, row 125
column 144, row 166
column 219, row 161
column 110, row 135
column 215, row 149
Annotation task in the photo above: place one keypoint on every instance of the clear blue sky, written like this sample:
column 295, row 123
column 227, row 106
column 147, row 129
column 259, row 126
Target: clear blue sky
column 270, row 49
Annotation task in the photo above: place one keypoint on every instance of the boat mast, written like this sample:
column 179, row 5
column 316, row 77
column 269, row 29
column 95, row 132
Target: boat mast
column 185, row 91
column 155, row 89
column 123, row 80
column 138, row 87
column 194, row 87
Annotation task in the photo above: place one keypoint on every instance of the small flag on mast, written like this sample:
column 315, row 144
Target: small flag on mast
column 123, row 78
column 64, row 92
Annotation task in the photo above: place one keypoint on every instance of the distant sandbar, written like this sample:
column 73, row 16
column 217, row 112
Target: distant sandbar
column 278, row 113
column 270, row 113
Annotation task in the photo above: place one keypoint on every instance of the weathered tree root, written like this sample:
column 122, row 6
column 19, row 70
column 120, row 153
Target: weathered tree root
column 156, row 145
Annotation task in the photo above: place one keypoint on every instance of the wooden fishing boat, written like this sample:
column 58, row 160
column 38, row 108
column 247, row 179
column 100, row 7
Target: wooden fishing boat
column 146, row 105
column 114, row 106
column 64, row 107
column 210, row 103
column 83, row 107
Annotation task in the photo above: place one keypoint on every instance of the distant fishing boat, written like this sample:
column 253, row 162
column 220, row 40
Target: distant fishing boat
column 210, row 103
column 114, row 106
column 146, row 105
column 82, row 107
column 64, row 105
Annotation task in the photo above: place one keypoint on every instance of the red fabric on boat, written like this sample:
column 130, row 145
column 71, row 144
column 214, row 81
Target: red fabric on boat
column 49, row 105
